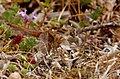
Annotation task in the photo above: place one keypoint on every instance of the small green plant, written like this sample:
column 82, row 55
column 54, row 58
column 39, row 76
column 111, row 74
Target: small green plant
column 96, row 13
column 8, row 33
column 23, row 57
column 25, row 64
column 15, row 8
column 2, row 28
column 62, row 22
column 26, row 0
column 7, row 16
column 85, row 2
column 54, row 19
column 84, row 23
column 23, row 72
column 12, row 67
column 17, row 21
column 28, row 43
column 28, row 65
